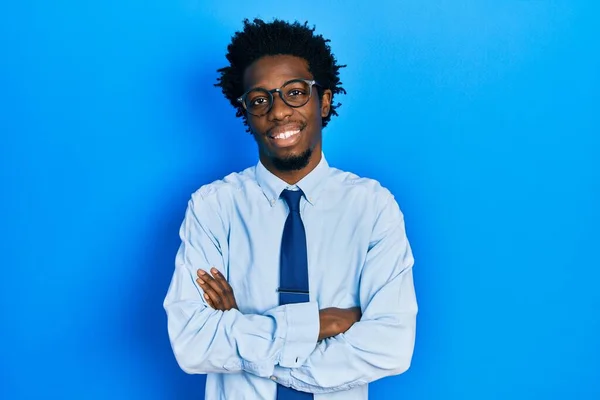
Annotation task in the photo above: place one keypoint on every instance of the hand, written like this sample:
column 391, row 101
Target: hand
column 334, row 321
column 217, row 291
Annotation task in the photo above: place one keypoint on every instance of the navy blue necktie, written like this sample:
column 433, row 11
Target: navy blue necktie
column 293, row 278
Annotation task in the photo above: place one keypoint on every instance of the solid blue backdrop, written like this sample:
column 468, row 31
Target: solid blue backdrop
column 481, row 117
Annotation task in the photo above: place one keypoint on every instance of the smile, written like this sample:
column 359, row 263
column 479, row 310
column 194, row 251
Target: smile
column 285, row 136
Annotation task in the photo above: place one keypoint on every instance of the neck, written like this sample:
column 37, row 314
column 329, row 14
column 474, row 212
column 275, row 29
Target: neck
column 295, row 176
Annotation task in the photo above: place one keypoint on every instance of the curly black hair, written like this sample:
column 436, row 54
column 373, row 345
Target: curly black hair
column 260, row 38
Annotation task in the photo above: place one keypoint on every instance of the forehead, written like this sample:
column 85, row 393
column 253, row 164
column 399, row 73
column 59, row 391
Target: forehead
column 274, row 71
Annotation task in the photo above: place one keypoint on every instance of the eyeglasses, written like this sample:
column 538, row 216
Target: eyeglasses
column 294, row 93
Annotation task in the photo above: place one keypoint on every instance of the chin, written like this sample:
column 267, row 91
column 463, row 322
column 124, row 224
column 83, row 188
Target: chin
column 292, row 161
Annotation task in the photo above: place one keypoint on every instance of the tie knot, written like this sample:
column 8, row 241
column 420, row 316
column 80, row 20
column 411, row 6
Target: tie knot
column 292, row 198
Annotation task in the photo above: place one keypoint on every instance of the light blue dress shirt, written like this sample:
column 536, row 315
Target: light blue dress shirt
column 358, row 255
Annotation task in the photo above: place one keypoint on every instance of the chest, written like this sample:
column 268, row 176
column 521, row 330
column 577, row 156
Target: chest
column 337, row 244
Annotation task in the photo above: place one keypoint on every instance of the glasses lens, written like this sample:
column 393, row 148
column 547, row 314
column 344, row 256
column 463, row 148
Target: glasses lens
column 296, row 93
column 257, row 102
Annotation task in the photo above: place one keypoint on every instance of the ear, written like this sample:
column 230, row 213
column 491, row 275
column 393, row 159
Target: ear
column 326, row 103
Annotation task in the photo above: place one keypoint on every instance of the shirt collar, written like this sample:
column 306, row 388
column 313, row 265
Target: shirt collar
column 311, row 185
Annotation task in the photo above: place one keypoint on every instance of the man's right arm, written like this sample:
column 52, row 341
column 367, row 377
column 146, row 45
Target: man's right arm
column 220, row 296
column 206, row 340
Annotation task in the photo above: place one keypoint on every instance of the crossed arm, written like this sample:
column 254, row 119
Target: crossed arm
column 219, row 295
column 301, row 346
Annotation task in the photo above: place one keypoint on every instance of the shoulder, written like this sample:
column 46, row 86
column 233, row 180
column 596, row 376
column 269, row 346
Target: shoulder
column 354, row 184
column 210, row 205
column 232, row 183
column 216, row 194
column 375, row 201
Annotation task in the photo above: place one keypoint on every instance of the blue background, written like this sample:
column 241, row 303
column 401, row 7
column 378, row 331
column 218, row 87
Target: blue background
column 481, row 117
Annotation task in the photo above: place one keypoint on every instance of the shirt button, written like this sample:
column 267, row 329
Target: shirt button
column 273, row 378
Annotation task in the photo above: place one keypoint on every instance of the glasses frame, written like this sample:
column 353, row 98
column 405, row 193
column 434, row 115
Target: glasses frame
column 309, row 82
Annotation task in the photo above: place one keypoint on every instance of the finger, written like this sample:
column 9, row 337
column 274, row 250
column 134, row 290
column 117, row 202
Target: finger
column 226, row 290
column 204, row 294
column 201, row 283
column 219, row 279
column 212, row 282
column 209, row 301
column 207, row 284
column 218, row 289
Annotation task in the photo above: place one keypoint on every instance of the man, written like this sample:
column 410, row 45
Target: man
column 293, row 279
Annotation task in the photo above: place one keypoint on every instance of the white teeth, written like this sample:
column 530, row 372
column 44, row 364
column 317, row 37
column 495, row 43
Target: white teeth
column 286, row 134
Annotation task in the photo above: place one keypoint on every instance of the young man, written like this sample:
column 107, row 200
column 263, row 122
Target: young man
column 293, row 279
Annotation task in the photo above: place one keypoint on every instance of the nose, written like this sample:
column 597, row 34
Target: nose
column 279, row 111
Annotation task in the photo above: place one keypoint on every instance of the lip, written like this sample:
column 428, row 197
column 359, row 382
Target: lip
column 285, row 135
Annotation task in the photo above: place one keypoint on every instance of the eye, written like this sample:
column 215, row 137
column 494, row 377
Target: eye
column 257, row 101
column 296, row 92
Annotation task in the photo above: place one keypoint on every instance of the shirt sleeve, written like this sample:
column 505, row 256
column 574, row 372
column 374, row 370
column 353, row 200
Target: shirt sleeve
column 205, row 340
column 382, row 342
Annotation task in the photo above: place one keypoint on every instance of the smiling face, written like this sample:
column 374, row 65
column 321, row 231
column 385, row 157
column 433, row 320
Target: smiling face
column 288, row 138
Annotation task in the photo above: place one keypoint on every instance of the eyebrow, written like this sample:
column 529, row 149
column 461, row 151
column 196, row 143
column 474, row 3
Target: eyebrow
column 284, row 83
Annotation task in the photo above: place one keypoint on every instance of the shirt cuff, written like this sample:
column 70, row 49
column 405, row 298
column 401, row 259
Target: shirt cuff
column 282, row 376
column 302, row 333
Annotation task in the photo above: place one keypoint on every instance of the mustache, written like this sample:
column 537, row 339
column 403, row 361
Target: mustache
column 300, row 124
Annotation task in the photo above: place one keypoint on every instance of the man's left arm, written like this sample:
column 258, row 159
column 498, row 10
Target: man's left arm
column 382, row 342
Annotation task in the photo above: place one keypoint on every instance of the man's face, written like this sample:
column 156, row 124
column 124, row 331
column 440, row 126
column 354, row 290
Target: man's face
column 286, row 136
